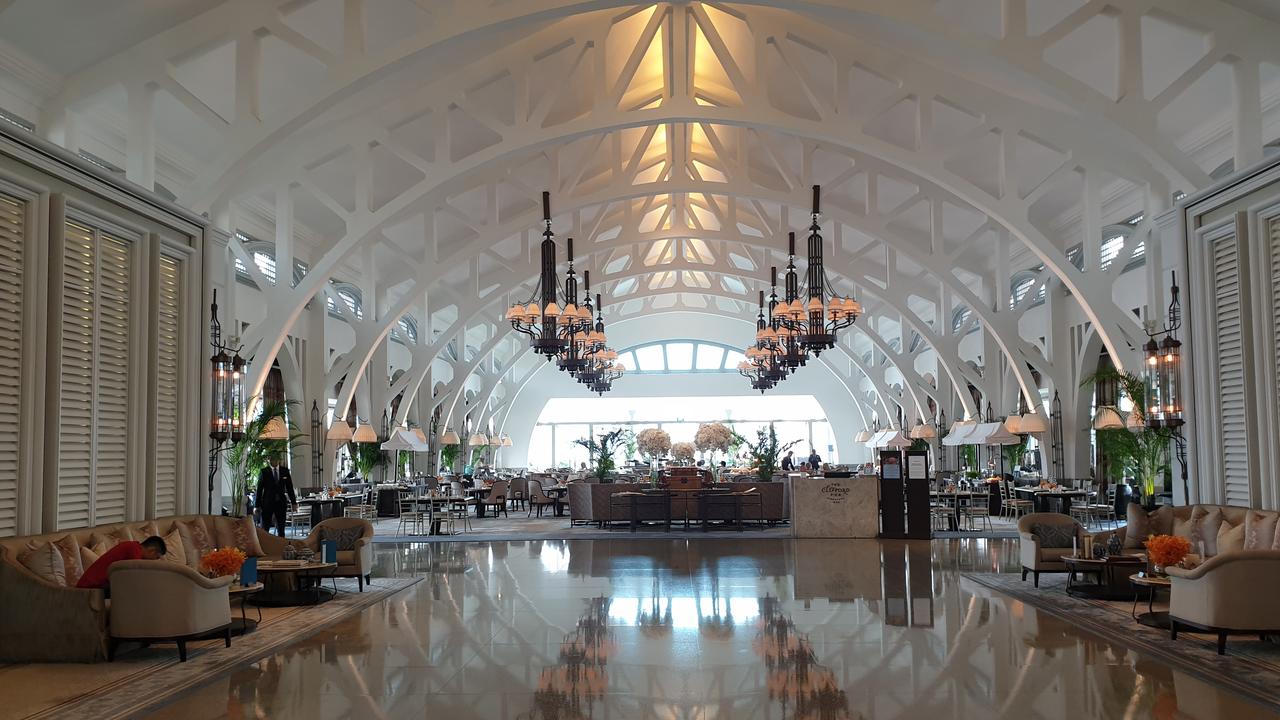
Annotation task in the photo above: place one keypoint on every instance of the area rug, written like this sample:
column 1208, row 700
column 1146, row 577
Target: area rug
column 145, row 678
column 1251, row 667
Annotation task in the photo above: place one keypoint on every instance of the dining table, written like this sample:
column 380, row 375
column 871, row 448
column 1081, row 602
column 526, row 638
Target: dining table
column 1043, row 498
column 955, row 499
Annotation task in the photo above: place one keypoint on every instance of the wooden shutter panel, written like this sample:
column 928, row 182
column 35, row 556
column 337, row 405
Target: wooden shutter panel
column 168, row 404
column 93, row 403
column 1231, row 376
column 12, row 233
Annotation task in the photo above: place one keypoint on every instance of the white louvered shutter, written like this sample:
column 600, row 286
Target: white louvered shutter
column 12, row 227
column 168, row 410
column 1273, row 240
column 1231, row 376
column 93, row 403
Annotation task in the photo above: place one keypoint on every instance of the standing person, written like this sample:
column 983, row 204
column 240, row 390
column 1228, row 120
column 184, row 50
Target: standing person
column 275, row 494
column 815, row 460
column 97, row 574
column 788, row 464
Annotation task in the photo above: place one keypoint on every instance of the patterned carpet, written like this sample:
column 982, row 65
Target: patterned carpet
column 144, row 678
column 1250, row 668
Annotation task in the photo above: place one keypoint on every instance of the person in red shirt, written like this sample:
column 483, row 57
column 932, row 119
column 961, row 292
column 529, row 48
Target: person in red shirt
column 95, row 576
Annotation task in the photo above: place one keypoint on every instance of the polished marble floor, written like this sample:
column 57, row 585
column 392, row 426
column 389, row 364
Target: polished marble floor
column 702, row 630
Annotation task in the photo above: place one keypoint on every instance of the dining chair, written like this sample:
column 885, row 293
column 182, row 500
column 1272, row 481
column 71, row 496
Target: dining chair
column 299, row 519
column 410, row 517
column 460, row 505
column 979, row 507
column 496, row 498
column 539, row 498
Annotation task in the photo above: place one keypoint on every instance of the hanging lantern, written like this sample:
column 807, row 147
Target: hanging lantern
column 1171, row 385
column 540, row 317
column 818, row 313
column 227, row 375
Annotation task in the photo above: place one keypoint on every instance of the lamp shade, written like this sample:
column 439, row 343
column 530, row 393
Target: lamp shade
column 1013, row 424
column 506, row 440
column 477, row 439
column 1135, row 423
column 275, row 430
column 339, row 431
column 364, row 434
column 1033, row 423
column 927, row 431
column 420, row 435
column 862, row 437
column 1108, row 419
column 450, row 438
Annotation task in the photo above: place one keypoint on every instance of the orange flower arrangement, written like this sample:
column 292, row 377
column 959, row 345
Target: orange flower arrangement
column 223, row 561
column 1166, row 550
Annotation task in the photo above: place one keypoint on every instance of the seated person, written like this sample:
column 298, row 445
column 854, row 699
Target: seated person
column 96, row 575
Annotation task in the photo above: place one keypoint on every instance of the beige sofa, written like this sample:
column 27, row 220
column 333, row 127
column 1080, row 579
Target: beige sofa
column 1221, row 528
column 355, row 562
column 166, row 601
column 1230, row 593
column 45, row 618
column 1039, row 556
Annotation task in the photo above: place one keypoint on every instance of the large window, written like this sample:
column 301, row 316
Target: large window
column 681, row 356
column 795, row 417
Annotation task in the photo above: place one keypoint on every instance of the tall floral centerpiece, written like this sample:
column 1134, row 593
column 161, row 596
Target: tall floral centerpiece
column 683, row 452
column 653, row 443
column 712, row 438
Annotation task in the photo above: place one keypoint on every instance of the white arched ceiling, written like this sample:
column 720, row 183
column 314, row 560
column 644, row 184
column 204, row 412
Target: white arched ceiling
column 957, row 142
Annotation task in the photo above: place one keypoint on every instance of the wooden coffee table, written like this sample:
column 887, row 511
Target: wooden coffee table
column 289, row 584
column 1153, row 584
column 242, row 624
column 1112, row 575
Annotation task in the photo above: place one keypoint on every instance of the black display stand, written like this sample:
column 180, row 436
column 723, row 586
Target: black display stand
column 917, row 488
column 892, row 518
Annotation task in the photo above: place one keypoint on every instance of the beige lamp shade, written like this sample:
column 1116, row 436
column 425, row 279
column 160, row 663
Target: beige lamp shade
column 1108, row 419
column 1135, row 423
column 477, row 439
column 364, row 434
column 862, row 437
column 339, row 431
column 926, row 431
column 275, row 430
column 1033, row 423
column 422, row 436
column 1013, row 424
column 450, row 438
column 506, row 440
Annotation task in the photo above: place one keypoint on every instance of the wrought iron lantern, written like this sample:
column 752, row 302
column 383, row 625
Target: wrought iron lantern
column 817, row 313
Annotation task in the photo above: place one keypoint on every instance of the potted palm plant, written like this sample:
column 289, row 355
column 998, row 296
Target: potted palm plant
column 1141, row 452
column 602, row 452
column 766, row 452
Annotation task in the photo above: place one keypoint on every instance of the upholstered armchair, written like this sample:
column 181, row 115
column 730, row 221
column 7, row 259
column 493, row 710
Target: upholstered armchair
column 1044, row 539
column 160, row 600
column 1232, row 593
column 355, row 546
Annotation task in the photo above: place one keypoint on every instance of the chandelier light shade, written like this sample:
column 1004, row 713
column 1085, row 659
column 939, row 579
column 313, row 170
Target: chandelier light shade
column 541, row 317
column 276, row 429
column 339, row 431
column 1107, row 418
column 364, row 433
column 477, row 440
column 227, row 376
column 817, row 313
column 450, row 438
column 1033, row 423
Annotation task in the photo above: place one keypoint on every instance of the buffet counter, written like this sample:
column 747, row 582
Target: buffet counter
column 846, row 507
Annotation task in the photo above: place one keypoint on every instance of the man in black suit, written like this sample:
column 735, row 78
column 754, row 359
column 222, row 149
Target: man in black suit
column 275, row 494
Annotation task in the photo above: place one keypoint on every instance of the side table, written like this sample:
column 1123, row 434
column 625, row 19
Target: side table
column 242, row 624
column 1153, row 584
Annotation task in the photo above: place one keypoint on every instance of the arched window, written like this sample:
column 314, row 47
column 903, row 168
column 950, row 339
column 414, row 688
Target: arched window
column 1022, row 284
column 960, row 318
column 681, row 356
column 350, row 295
column 264, row 256
column 406, row 330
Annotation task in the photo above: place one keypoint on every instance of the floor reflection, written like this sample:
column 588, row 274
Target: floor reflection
column 704, row 629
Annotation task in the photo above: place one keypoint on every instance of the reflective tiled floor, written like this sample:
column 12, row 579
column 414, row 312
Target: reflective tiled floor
column 703, row 629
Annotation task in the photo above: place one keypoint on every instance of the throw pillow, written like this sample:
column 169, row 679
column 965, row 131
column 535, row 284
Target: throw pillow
column 174, row 549
column 1230, row 538
column 1137, row 527
column 72, row 567
column 1206, row 531
column 46, row 562
column 345, row 537
column 87, row 557
column 1054, row 536
column 147, row 531
column 238, row 533
column 101, row 543
column 121, row 534
column 1259, row 530
column 196, row 541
